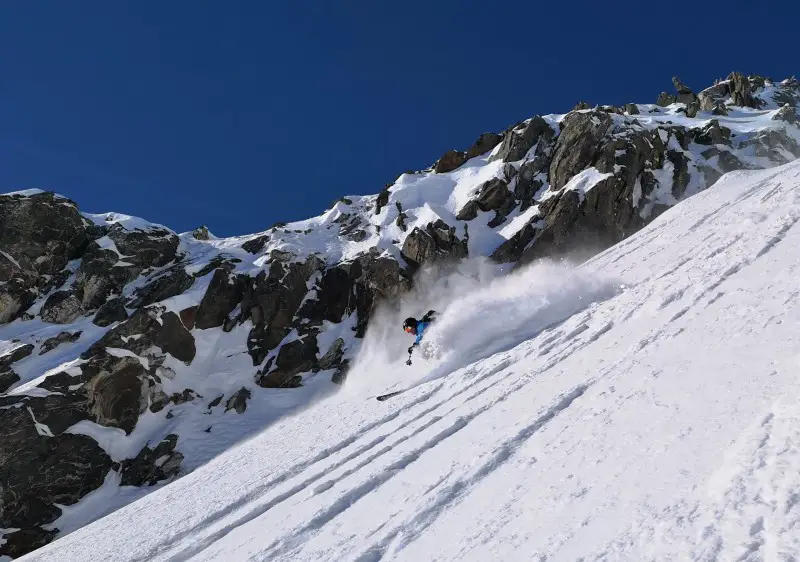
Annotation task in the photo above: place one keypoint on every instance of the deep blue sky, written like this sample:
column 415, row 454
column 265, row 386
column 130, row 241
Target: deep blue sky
column 241, row 114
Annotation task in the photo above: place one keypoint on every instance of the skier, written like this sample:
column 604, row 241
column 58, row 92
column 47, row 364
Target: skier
column 417, row 328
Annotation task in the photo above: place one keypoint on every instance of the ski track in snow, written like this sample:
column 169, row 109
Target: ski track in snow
column 659, row 424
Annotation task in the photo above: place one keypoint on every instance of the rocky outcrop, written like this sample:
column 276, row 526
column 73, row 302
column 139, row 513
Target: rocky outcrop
column 297, row 356
column 118, row 258
column 665, row 99
column 42, row 467
column 518, row 141
column 256, row 244
column 238, row 401
column 152, row 466
column 450, row 160
column 201, row 233
column 437, row 243
column 63, row 337
column 577, row 145
column 224, row 293
column 271, row 300
column 148, row 328
column 112, row 311
column 786, row 113
column 39, row 235
column 7, row 375
column 484, row 143
column 62, row 307
column 169, row 283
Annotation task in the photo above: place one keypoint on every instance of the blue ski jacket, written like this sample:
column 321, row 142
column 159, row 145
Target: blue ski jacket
column 420, row 331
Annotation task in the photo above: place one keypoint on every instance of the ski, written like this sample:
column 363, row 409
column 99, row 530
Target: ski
column 383, row 397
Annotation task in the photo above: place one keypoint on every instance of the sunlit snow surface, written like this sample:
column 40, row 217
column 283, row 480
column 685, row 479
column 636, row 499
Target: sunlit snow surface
column 644, row 406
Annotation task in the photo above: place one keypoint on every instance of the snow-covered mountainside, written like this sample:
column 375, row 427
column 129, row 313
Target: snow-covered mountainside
column 131, row 355
column 642, row 406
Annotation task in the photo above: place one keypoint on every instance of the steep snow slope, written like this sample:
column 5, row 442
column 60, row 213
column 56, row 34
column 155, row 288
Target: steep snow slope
column 643, row 406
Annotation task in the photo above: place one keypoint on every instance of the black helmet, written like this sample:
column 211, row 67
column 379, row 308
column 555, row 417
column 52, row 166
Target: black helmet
column 410, row 323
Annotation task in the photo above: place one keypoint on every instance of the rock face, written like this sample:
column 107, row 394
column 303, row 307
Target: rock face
column 188, row 332
column 63, row 337
column 577, row 145
column 39, row 234
column 449, row 161
column 437, row 243
column 7, row 375
column 519, row 141
column 221, row 298
column 152, row 466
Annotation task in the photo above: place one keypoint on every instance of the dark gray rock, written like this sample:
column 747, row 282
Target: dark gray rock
column 201, row 233
column 335, row 296
column 680, row 87
column 63, row 337
column 720, row 109
column 582, row 105
column 114, row 390
column 150, row 328
column 450, row 160
column 188, row 395
column 631, row 109
column 711, row 134
column 686, row 95
column 152, row 466
column 16, row 354
column 62, row 307
column 256, row 244
column 382, row 200
column 41, row 233
column 8, row 378
column 174, row 281
column 401, row 221
column 38, row 471
column 777, row 145
column 238, row 401
column 22, row 542
column 437, row 243
column 333, row 357
column 786, row 113
column 530, row 179
column 493, row 195
column 468, row 212
column 112, row 311
column 740, row 91
column 340, row 376
column 272, row 299
column 484, row 143
column 224, row 293
column 7, row 375
column 518, row 142
column 295, row 357
column 16, row 296
column 665, row 99
column 577, row 145
column 104, row 272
